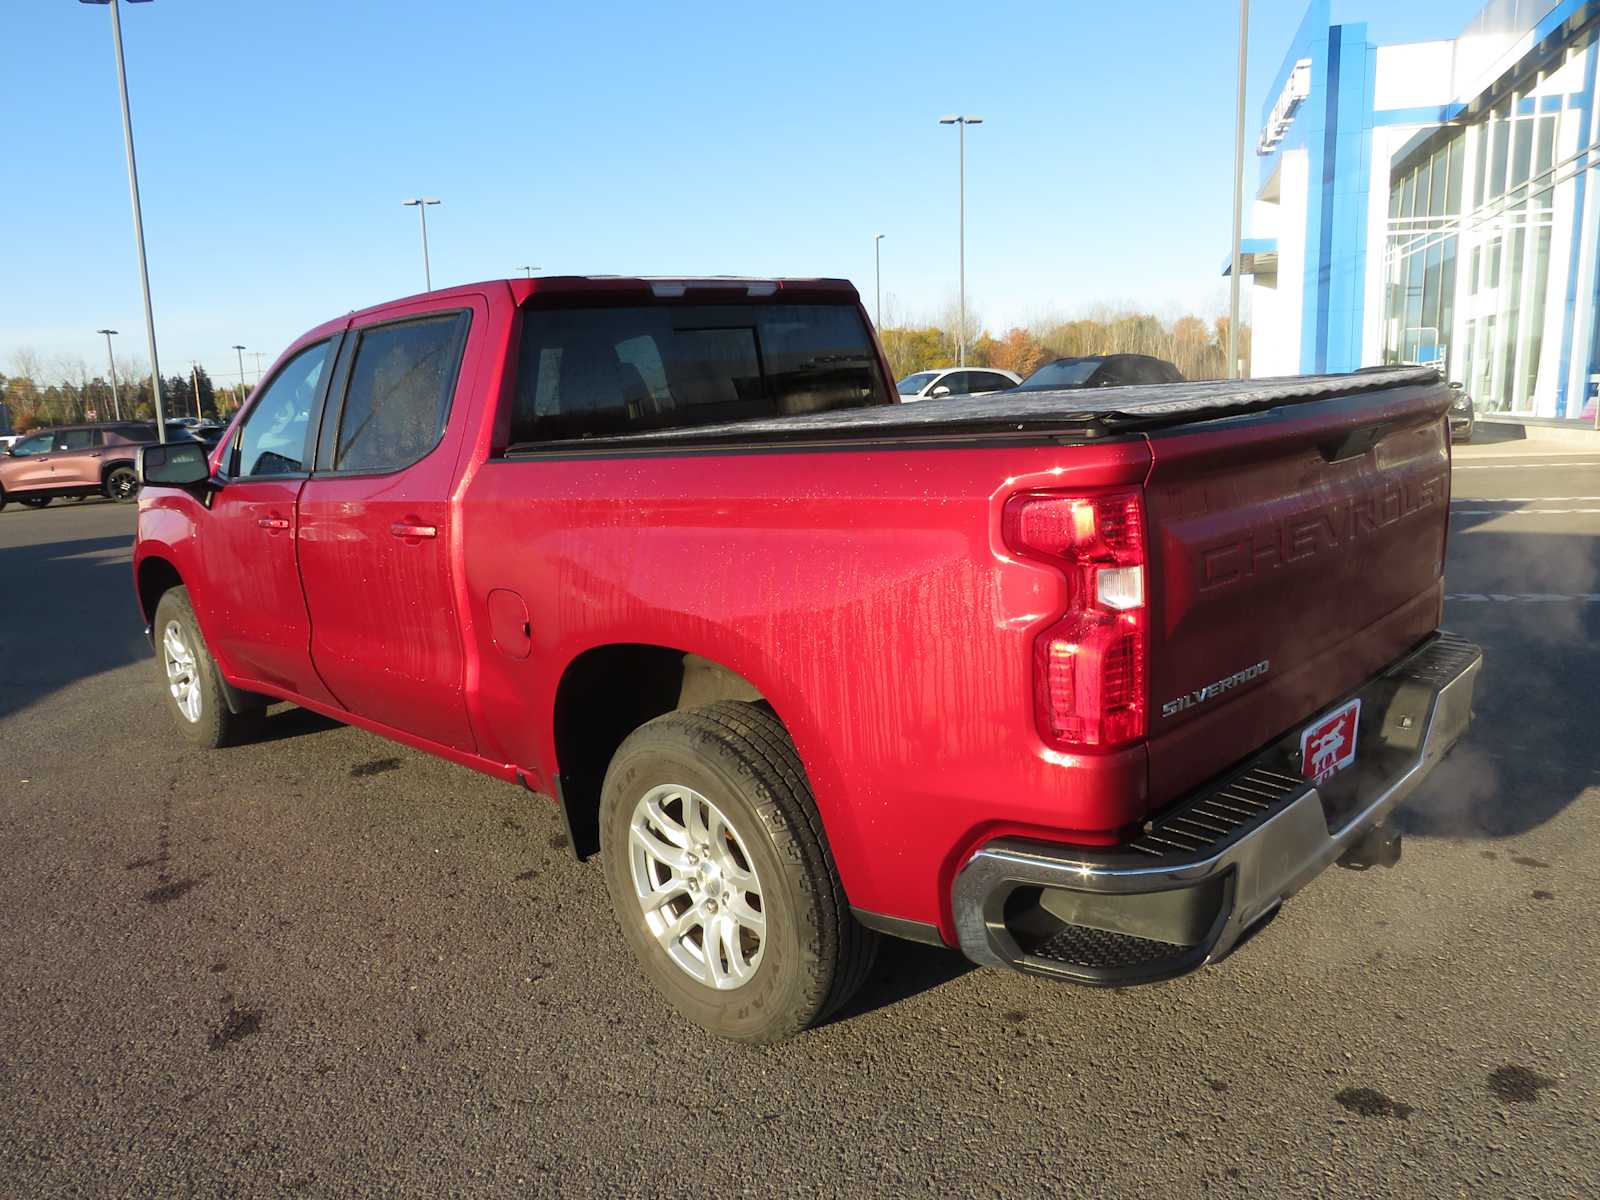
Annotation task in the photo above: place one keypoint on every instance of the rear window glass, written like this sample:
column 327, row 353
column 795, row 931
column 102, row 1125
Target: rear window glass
column 596, row 372
column 1063, row 373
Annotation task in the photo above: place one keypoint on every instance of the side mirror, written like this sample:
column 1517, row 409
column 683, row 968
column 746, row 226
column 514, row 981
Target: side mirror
column 939, row 391
column 176, row 464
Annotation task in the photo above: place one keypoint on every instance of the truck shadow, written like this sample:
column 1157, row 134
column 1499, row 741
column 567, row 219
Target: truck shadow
column 903, row 970
column 291, row 721
column 1530, row 752
column 69, row 614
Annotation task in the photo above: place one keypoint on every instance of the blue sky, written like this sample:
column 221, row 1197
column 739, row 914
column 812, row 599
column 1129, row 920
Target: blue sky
column 277, row 139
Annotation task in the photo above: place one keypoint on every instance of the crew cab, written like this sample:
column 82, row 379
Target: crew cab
column 1084, row 684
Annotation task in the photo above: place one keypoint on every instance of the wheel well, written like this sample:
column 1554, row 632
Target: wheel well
column 156, row 576
column 604, row 695
column 109, row 467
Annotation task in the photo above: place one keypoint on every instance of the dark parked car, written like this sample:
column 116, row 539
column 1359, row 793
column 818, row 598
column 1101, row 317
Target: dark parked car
column 77, row 460
column 1462, row 416
column 1100, row 370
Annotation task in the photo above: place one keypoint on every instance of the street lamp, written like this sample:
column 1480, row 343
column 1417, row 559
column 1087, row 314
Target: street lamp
column 962, row 122
column 1238, row 197
column 138, row 219
column 421, row 204
column 116, row 403
column 877, row 274
column 239, row 350
column 528, row 271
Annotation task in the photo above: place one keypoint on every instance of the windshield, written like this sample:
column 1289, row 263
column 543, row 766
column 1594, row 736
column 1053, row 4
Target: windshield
column 1063, row 373
column 912, row 384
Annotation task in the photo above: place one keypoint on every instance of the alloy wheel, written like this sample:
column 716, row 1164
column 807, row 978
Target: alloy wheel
column 183, row 671
column 697, row 887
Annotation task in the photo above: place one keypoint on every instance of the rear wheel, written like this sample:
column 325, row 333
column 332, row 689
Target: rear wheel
column 36, row 501
column 721, row 876
column 122, row 484
column 189, row 674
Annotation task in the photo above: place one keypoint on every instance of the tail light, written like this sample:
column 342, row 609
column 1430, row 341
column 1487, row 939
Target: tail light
column 1089, row 667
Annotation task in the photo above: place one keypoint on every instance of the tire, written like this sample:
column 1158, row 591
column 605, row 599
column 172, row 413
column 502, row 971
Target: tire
column 201, row 712
column 122, row 484
column 36, row 501
column 734, row 763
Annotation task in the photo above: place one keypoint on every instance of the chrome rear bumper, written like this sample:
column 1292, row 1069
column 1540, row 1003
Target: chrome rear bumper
column 1199, row 877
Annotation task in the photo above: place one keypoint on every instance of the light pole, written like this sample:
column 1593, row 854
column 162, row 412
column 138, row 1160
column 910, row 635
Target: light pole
column 111, row 361
column 421, row 205
column 239, row 350
column 961, row 122
column 877, row 275
column 194, row 379
column 528, row 271
column 1238, row 198
column 138, row 218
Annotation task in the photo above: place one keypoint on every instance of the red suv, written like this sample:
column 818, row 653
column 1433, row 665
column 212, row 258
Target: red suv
column 74, row 460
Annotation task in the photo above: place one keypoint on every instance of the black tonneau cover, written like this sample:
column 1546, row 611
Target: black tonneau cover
column 1084, row 413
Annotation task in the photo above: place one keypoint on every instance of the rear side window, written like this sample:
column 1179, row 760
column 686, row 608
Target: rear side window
column 595, row 372
column 399, row 393
column 76, row 439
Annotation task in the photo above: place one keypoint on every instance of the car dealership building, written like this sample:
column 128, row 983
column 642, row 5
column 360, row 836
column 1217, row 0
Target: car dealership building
column 1438, row 203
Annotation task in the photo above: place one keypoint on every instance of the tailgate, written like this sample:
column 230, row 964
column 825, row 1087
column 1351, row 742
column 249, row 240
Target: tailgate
column 1294, row 553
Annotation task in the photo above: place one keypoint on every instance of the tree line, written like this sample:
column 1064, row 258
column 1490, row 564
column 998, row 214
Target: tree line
column 1197, row 348
column 36, row 395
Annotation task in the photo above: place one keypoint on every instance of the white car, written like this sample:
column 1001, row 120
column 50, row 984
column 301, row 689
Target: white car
column 955, row 381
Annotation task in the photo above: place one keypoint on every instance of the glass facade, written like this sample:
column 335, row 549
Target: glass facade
column 1421, row 254
column 1482, row 244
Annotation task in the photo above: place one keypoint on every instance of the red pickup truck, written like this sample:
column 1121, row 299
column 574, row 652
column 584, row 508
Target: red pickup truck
column 1083, row 683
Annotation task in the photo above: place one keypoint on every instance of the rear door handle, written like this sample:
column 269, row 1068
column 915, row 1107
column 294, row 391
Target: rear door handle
column 273, row 522
column 411, row 530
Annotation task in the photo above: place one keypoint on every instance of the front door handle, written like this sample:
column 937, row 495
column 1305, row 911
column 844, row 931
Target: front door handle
column 274, row 523
column 412, row 530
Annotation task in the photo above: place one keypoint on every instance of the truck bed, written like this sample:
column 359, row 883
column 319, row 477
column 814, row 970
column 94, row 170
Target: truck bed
column 1073, row 414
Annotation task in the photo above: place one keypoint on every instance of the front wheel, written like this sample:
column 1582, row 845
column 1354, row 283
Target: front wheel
column 721, row 875
column 189, row 674
column 122, row 484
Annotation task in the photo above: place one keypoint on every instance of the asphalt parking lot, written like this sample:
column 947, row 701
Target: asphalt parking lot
column 323, row 964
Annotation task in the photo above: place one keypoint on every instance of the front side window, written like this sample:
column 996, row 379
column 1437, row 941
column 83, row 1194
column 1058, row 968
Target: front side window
column 272, row 440
column 911, row 385
column 597, row 372
column 39, row 443
column 399, row 393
